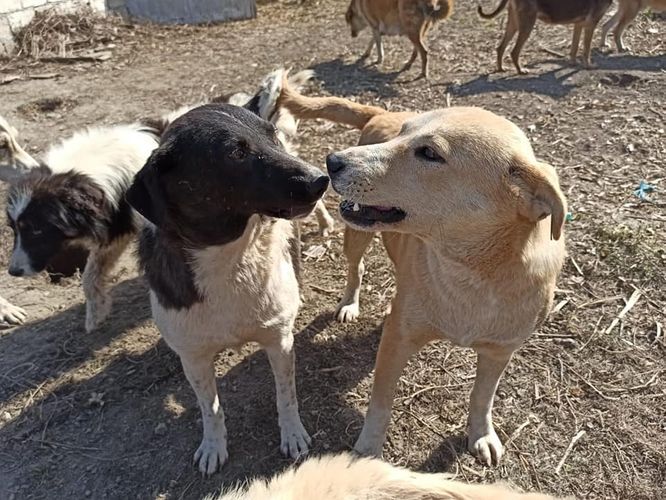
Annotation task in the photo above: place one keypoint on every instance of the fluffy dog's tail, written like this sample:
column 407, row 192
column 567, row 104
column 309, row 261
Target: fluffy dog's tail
column 438, row 10
column 493, row 13
column 344, row 476
column 335, row 109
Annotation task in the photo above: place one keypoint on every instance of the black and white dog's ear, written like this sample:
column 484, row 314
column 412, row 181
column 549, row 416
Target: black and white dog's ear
column 253, row 105
column 145, row 194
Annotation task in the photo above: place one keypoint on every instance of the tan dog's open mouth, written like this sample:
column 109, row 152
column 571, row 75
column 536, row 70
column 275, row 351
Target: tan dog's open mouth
column 369, row 215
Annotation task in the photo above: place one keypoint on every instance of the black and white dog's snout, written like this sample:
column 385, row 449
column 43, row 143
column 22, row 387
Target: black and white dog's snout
column 317, row 187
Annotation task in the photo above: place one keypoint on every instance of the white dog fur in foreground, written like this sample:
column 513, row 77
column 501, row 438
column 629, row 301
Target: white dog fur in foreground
column 345, row 477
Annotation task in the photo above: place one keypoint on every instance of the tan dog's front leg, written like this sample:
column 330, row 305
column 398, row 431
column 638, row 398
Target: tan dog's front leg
column 294, row 439
column 587, row 44
column 355, row 245
column 11, row 314
column 395, row 349
column 483, row 441
column 199, row 369
column 100, row 262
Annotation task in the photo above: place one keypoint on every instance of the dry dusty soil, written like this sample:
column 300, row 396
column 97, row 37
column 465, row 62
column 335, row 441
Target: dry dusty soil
column 110, row 415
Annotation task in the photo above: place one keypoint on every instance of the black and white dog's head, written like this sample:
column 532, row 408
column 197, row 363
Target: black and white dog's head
column 216, row 166
column 46, row 211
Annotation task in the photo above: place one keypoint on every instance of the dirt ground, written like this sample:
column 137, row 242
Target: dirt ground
column 110, row 415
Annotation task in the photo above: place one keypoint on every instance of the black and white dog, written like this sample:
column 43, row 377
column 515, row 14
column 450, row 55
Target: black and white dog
column 76, row 196
column 219, row 255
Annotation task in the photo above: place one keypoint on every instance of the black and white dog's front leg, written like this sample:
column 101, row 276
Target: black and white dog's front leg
column 294, row 439
column 100, row 262
column 11, row 314
column 199, row 368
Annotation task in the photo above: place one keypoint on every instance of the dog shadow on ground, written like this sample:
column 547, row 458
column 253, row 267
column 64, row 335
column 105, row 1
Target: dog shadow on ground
column 553, row 83
column 39, row 351
column 131, row 427
column 342, row 79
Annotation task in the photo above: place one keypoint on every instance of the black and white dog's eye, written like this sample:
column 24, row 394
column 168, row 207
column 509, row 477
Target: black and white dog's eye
column 429, row 154
column 36, row 232
column 237, row 154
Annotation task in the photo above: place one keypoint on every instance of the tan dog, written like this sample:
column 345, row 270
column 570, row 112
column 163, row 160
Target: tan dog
column 475, row 225
column 412, row 18
column 344, row 477
column 523, row 14
column 627, row 10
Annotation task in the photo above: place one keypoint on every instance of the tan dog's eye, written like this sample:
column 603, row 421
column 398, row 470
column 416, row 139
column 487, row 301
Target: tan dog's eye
column 429, row 154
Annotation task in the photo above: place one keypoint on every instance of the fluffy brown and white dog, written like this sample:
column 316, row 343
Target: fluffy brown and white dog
column 220, row 254
column 411, row 18
column 346, row 477
column 523, row 14
column 472, row 222
column 627, row 10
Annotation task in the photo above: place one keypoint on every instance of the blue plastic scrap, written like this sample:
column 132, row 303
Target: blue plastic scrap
column 643, row 190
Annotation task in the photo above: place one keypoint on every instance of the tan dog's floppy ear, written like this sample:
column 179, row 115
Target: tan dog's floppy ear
column 540, row 194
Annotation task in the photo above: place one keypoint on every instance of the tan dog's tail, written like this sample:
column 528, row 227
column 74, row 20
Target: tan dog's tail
column 438, row 10
column 335, row 109
column 494, row 13
column 344, row 476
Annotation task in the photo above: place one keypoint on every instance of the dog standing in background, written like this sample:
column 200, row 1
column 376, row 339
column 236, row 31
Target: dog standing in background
column 627, row 10
column 412, row 18
column 523, row 14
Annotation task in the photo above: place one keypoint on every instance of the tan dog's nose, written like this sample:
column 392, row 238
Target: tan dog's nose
column 334, row 164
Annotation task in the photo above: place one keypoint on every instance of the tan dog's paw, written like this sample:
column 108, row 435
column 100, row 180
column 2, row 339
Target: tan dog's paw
column 211, row 455
column 347, row 313
column 294, row 439
column 487, row 448
column 11, row 314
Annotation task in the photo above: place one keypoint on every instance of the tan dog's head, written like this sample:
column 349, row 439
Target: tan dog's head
column 355, row 19
column 449, row 172
column 14, row 161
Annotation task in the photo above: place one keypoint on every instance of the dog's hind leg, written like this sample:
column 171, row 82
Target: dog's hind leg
column 326, row 222
column 525, row 27
column 483, row 441
column 377, row 35
column 587, row 44
column 629, row 14
column 368, row 51
column 294, row 439
column 100, row 262
column 199, row 369
column 575, row 41
column 509, row 33
column 355, row 245
column 395, row 349
column 603, row 41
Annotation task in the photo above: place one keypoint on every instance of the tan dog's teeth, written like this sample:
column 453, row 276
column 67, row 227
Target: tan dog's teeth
column 356, row 207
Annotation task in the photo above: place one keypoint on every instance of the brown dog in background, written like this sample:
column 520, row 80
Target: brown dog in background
column 523, row 14
column 412, row 18
column 627, row 10
column 472, row 222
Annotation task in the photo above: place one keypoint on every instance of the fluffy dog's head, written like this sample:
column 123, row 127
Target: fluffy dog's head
column 47, row 212
column 216, row 166
column 452, row 170
column 355, row 19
